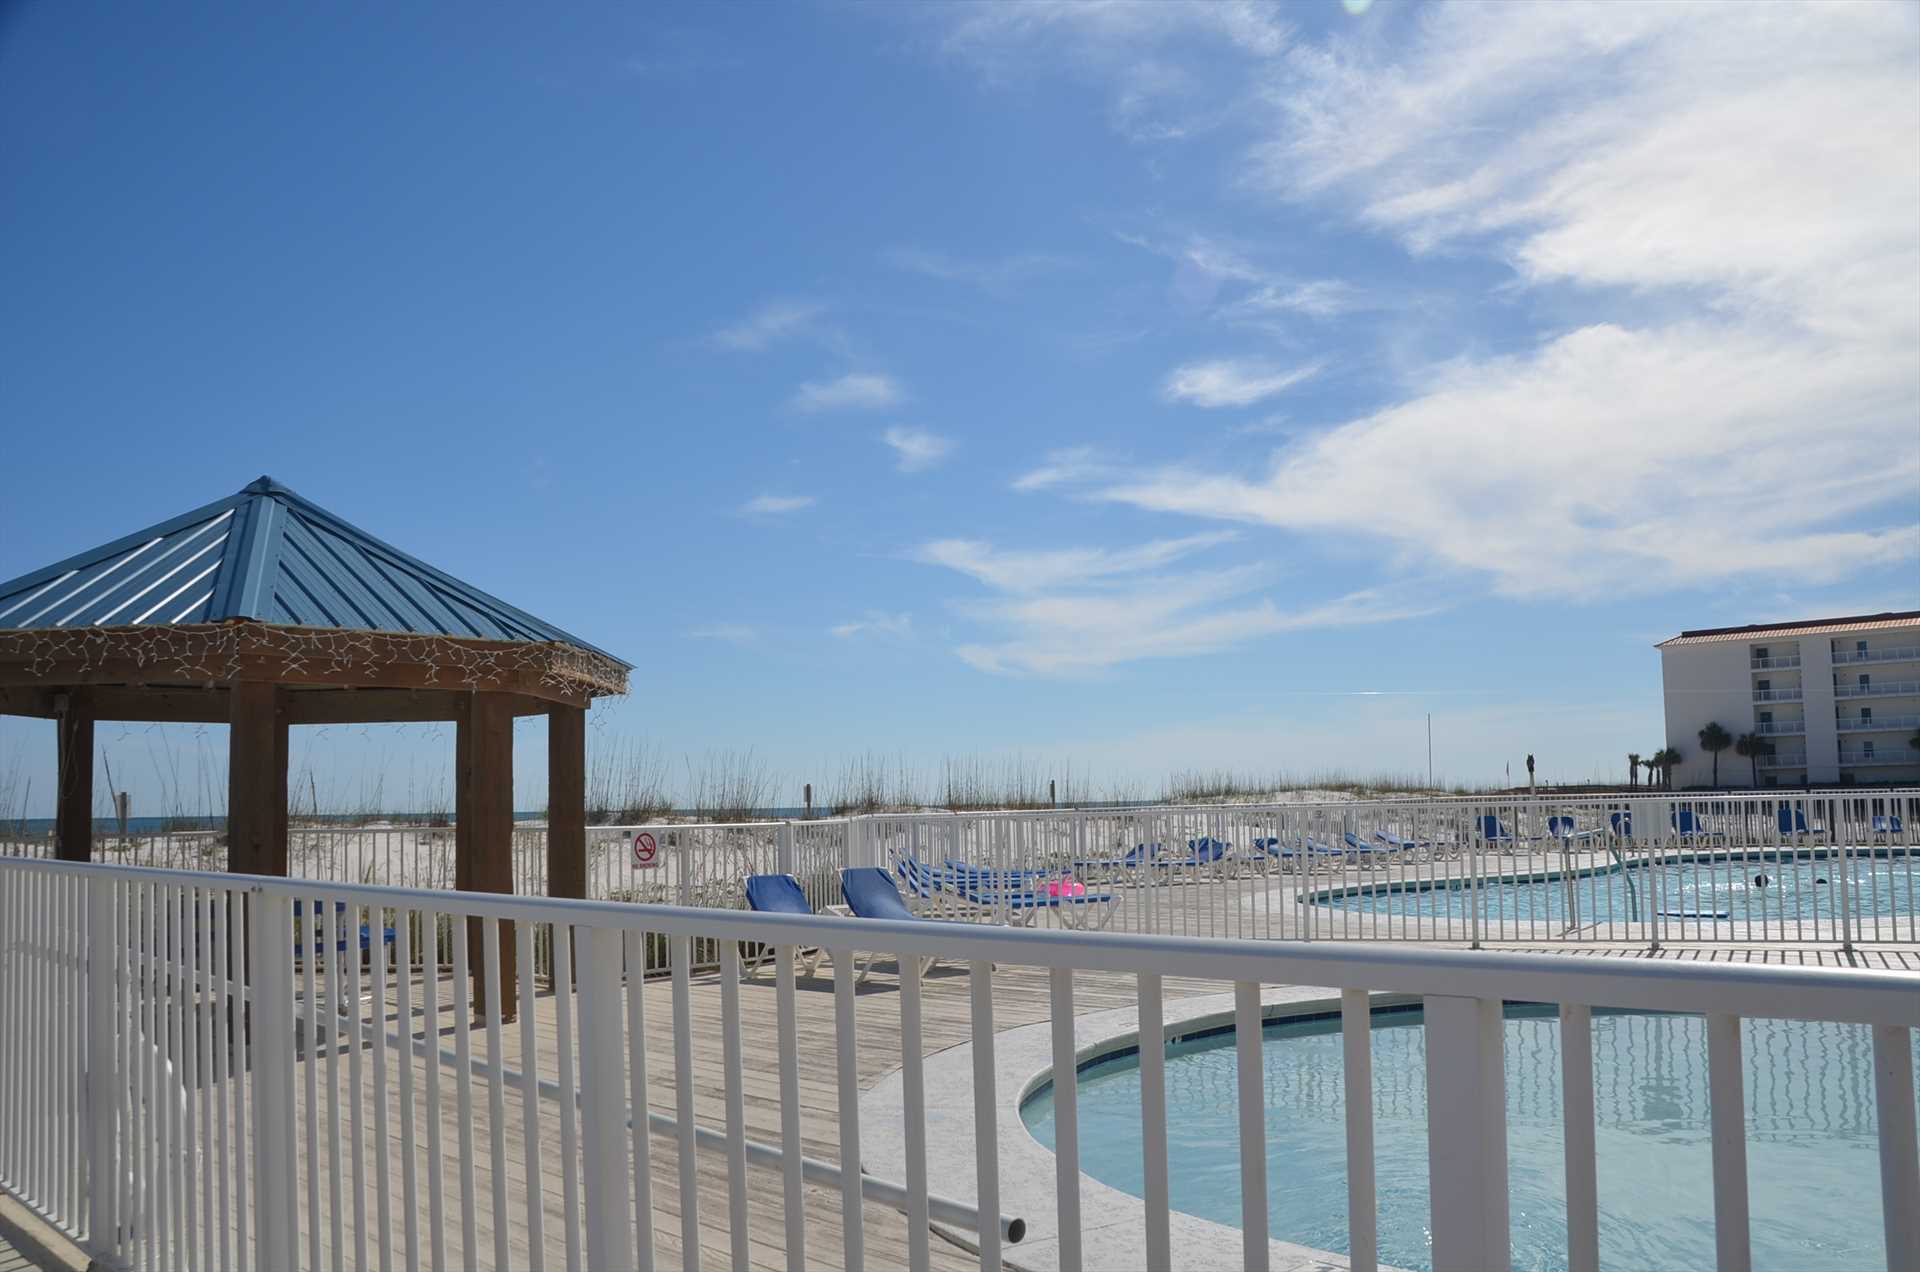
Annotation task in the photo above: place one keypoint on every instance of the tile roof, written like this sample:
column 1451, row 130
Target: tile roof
column 1891, row 620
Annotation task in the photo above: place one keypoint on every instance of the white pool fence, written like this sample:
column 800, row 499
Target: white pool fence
column 1753, row 868
column 172, row 1078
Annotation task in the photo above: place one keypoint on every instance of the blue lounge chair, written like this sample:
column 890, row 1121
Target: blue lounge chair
column 1398, row 844
column 1889, row 824
column 1622, row 824
column 779, row 894
column 1792, row 821
column 1204, row 851
column 1274, row 847
column 1494, row 833
column 1563, row 828
column 871, row 894
column 999, row 876
column 319, row 936
column 1022, row 901
column 1138, row 855
column 1687, row 825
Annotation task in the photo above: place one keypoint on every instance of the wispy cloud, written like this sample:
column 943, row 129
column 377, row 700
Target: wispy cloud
column 1234, row 381
column 855, row 391
column 771, row 323
column 1317, row 298
column 1609, row 460
column 916, row 449
column 876, row 623
column 775, row 505
column 1726, row 195
column 726, row 633
column 1073, row 464
column 1232, row 283
column 1071, row 611
column 1124, row 44
column 996, row 276
column 1042, row 569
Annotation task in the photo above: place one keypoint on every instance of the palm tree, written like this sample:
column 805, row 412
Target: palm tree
column 1633, row 769
column 1752, row 746
column 1669, row 760
column 1713, row 740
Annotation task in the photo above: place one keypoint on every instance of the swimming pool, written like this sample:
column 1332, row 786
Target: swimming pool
column 1801, row 888
column 1812, row 1145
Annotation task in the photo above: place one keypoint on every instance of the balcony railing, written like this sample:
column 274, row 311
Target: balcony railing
column 1854, row 724
column 1780, row 728
column 1902, row 688
column 1784, row 760
column 1776, row 695
column 1782, row 662
column 1905, row 653
column 1889, row 756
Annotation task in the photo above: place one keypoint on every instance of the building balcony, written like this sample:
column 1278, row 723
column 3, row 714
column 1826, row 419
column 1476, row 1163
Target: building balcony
column 1780, row 662
column 1906, row 653
column 1776, row 695
column 1855, row 724
column 1861, row 759
column 1894, row 688
column 1784, row 760
column 1780, row 728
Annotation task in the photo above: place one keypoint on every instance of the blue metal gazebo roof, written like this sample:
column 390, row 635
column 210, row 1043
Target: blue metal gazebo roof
column 267, row 555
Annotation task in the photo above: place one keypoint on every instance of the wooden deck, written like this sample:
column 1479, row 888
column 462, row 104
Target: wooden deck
column 1020, row 998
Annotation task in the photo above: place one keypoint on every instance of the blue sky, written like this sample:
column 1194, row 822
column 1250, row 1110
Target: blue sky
column 1129, row 386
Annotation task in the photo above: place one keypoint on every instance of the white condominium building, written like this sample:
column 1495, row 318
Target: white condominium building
column 1838, row 698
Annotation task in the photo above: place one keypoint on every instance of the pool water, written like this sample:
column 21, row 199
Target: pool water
column 1812, row 1147
column 1796, row 890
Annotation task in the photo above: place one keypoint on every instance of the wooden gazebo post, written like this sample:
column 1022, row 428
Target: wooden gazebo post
column 257, row 779
column 483, row 828
column 73, row 809
column 566, row 801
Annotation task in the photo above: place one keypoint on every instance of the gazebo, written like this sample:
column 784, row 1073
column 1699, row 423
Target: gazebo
column 263, row 610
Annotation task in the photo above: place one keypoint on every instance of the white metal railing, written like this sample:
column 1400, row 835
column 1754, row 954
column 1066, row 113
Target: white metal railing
column 1895, row 688
column 1557, row 869
column 1857, row 724
column 1745, row 868
column 1784, row 759
column 1776, row 695
column 1779, row 661
column 1904, row 653
column 175, row 1092
column 1889, row 756
column 1780, row 728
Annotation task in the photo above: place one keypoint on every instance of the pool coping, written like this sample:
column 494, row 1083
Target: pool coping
column 1113, row 1223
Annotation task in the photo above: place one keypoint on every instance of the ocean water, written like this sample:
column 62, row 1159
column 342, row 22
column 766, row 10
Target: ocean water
column 1812, row 1146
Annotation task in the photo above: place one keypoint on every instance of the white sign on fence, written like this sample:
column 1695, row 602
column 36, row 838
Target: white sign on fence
column 646, row 851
